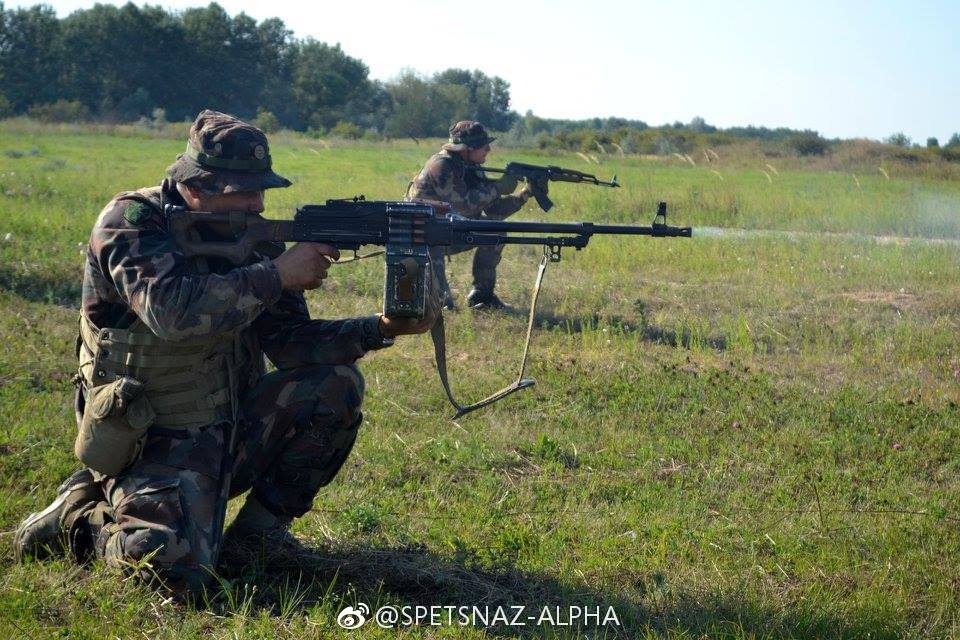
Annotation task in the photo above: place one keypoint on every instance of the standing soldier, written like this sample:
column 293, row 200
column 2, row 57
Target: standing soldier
column 176, row 413
column 454, row 176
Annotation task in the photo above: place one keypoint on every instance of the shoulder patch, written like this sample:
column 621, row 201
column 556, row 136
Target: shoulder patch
column 137, row 212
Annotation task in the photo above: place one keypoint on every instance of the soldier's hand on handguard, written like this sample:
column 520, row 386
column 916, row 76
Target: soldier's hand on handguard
column 304, row 265
column 507, row 184
column 393, row 327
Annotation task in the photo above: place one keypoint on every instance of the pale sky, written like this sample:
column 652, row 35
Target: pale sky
column 847, row 69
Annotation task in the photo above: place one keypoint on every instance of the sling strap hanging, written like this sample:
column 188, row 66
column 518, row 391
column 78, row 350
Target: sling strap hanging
column 438, row 335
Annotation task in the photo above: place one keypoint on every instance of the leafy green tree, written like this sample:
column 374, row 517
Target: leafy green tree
column 487, row 99
column 208, row 78
column 421, row 107
column 123, row 61
column 954, row 141
column 30, row 42
column 275, row 67
column 327, row 84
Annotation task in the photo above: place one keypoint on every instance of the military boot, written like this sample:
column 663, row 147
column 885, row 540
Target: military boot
column 240, row 544
column 484, row 299
column 46, row 533
column 256, row 531
column 447, row 301
column 481, row 296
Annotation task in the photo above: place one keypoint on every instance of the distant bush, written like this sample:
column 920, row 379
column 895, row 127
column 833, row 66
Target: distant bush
column 266, row 121
column 135, row 105
column 899, row 139
column 807, row 143
column 6, row 109
column 346, row 130
column 157, row 121
column 951, row 154
column 954, row 141
column 60, row 111
column 933, row 143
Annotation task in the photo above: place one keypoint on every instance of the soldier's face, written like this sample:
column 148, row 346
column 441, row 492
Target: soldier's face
column 249, row 201
column 478, row 155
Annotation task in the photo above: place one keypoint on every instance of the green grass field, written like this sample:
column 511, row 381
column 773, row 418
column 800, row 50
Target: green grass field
column 749, row 434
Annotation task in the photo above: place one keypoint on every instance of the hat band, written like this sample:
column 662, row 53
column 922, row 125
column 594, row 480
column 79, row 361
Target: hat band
column 230, row 164
column 471, row 141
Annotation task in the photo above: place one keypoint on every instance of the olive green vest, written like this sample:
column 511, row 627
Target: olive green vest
column 192, row 382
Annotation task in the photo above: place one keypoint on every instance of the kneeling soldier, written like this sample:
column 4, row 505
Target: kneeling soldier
column 171, row 371
column 454, row 176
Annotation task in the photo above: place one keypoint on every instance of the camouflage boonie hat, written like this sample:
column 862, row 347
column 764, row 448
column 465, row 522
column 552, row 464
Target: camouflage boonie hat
column 225, row 155
column 467, row 134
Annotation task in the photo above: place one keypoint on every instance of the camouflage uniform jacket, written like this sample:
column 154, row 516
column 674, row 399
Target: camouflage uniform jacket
column 449, row 178
column 135, row 270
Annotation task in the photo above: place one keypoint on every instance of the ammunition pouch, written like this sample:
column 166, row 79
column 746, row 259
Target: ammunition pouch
column 114, row 425
column 133, row 380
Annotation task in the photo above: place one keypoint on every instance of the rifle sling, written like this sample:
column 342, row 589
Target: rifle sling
column 438, row 335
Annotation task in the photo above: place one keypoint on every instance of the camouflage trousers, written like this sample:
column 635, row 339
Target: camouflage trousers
column 485, row 262
column 296, row 429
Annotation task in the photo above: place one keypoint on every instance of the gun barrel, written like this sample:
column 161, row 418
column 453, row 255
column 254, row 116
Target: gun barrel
column 552, row 173
column 575, row 228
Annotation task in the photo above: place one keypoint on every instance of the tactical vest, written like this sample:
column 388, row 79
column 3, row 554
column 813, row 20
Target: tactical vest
column 189, row 382
column 192, row 382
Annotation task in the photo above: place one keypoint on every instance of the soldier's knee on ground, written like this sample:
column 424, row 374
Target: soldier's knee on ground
column 153, row 538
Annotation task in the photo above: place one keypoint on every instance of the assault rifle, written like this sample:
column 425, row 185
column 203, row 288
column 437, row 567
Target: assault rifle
column 537, row 178
column 407, row 231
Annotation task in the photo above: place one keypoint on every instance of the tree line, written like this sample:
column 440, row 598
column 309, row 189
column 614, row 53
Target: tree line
column 124, row 63
column 129, row 63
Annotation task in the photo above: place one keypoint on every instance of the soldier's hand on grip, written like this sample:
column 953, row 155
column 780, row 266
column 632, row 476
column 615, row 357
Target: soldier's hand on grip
column 304, row 265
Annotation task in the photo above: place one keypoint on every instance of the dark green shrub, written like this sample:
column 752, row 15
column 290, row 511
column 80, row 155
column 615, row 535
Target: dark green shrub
column 60, row 111
column 266, row 121
column 899, row 139
column 807, row 143
column 347, row 130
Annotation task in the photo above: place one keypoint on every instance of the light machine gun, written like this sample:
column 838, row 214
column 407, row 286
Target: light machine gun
column 407, row 231
column 537, row 178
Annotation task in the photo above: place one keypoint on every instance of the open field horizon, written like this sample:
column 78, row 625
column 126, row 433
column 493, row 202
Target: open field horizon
column 751, row 433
